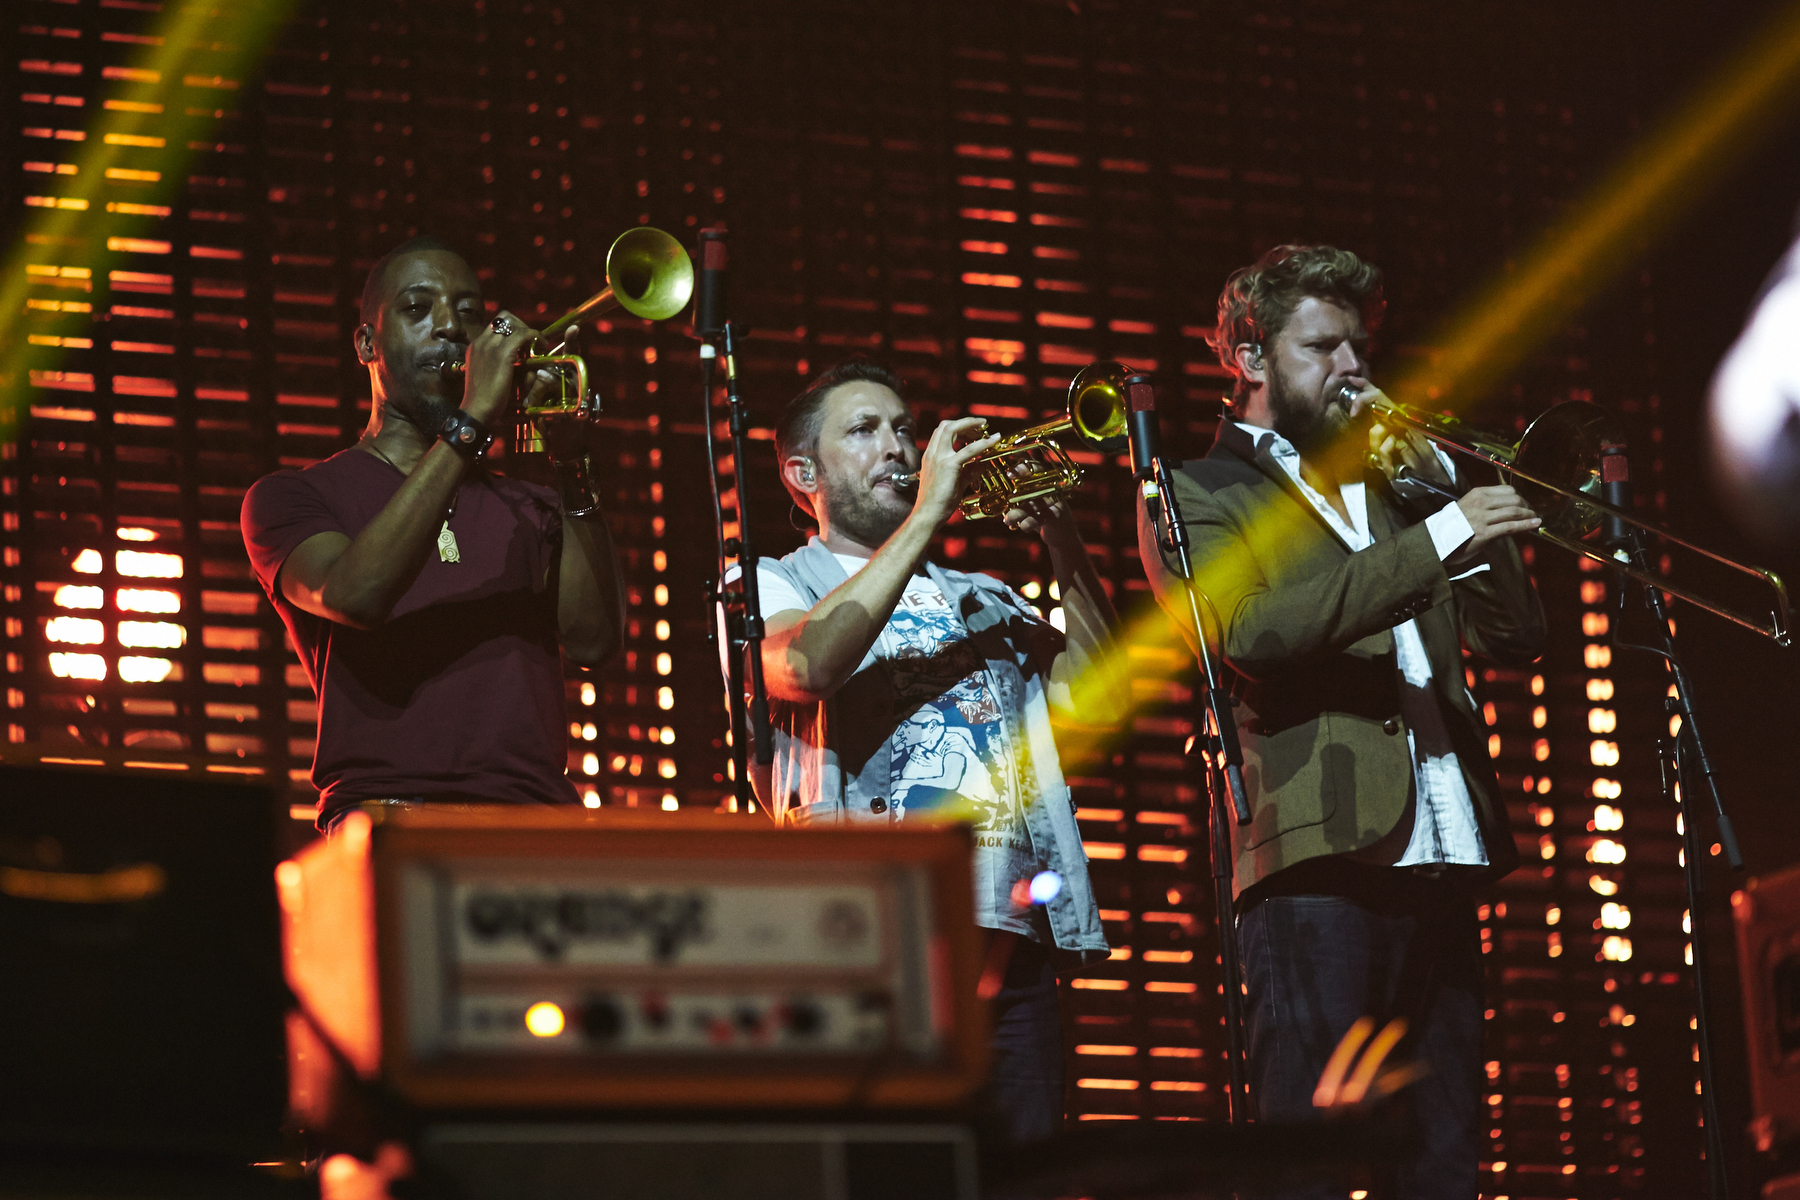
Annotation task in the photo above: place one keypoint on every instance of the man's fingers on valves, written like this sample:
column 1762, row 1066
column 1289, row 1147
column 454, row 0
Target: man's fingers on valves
column 976, row 448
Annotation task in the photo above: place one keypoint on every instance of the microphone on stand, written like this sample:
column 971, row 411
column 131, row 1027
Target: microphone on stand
column 1140, row 425
column 709, row 296
column 1140, row 428
column 1615, row 490
column 1217, row 727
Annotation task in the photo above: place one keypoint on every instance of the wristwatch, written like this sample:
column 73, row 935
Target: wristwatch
column 467, row 436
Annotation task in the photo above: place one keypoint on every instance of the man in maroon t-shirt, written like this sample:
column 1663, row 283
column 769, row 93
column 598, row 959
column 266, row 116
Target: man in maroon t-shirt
column 426, row 595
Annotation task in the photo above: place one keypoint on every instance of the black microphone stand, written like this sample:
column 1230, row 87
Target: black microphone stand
column 743, row 621
column 1683, row 762
column 1216, row 740
column 1686, row 767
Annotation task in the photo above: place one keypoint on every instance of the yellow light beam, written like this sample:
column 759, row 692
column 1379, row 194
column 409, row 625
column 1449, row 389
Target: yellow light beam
column 1641, row 197
column 150, row 108
column 1506, row 323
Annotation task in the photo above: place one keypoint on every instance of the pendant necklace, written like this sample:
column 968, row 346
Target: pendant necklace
column 446, row 540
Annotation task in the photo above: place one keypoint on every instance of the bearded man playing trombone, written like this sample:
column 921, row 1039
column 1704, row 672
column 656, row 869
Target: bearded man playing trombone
column 426, row 595
column 903, row 689
column 1345, row 592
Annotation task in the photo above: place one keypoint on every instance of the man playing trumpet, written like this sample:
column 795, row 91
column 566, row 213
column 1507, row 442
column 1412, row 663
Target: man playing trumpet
column 1345, row 594
column 426, row 595
column 901, row 688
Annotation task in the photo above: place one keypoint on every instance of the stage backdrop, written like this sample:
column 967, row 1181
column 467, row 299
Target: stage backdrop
column 987, row 196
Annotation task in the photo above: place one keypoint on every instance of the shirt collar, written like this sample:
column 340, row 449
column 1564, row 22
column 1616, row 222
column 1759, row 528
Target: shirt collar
column 1268, row 440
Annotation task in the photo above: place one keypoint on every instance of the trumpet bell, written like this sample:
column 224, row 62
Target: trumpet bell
column 650, row 273
column 1097, row 406
column 1564, row 445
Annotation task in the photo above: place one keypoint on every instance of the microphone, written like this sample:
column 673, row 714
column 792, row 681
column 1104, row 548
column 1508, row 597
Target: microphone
column 709, row 297
column 1615, row 490
column 1140, row 425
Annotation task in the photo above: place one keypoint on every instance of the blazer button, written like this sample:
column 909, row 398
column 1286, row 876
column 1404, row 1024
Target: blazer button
column 878, row 805
column 1389, row 727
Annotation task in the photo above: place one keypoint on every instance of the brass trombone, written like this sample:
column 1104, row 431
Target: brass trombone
column 1029, row 465
column 1556, row 467
column 649, row 275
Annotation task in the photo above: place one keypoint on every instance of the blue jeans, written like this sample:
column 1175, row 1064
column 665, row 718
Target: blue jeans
column 1025, row 1089
column 1331, row 946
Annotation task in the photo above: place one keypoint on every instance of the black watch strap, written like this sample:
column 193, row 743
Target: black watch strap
column 467, row 436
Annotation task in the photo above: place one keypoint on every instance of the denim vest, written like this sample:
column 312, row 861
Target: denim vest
column 833, row 761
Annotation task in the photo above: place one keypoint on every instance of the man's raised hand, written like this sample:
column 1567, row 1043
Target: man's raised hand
column 941, row 465
column 488, row 370
column 1493, row 513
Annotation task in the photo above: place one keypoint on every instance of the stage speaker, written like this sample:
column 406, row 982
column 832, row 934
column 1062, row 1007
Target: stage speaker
column 141, row 997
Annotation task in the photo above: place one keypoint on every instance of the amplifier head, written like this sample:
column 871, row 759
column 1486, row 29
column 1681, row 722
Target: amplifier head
column 554, row 959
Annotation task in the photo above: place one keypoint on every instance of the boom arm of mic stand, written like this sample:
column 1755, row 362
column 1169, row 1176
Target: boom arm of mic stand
column 747, row 557
column 1218, row 705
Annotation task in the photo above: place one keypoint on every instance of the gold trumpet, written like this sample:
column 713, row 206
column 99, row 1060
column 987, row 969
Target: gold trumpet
column 649, row 275
column 1556, row 467
column 1029, row 465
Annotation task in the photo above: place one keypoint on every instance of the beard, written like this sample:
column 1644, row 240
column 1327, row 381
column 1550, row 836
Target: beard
column 860, row 514
column 428, row 413
column 1311, row 427
column 416, row 400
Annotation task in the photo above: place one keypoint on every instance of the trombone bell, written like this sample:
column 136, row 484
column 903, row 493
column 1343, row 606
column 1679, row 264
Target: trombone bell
column 1565, row 445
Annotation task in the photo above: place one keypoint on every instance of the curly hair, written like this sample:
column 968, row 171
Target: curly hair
column 1258, row 300
column 798, row 430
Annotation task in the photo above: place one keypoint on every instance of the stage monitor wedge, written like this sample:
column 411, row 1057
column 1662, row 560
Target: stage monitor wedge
column 141, row 1001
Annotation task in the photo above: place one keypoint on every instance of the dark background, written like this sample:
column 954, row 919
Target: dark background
column 1162, row 146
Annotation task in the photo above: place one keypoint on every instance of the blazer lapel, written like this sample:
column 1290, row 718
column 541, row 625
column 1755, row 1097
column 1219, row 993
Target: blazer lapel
column 1239, row 441
column 1384, row 521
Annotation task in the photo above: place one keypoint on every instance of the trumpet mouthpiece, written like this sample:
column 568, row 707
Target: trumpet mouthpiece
column 904, row 481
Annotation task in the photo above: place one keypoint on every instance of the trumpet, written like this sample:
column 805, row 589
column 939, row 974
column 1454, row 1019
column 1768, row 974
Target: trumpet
column 649, row 275
column 1557, row 467
column 1030, row 465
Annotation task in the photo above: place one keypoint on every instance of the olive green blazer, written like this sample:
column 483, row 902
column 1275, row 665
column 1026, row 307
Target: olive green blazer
column 1308, row 648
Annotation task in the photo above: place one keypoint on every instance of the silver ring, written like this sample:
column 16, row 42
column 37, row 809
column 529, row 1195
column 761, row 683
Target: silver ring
column 502, row 326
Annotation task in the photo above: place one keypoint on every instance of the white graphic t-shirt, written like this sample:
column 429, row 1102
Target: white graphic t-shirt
column 951, row 751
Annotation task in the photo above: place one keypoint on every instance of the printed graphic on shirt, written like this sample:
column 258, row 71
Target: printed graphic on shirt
column 951, row 743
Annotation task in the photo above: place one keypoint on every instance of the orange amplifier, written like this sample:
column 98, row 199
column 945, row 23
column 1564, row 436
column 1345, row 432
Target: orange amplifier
column 1767, row 915
column 543, row 958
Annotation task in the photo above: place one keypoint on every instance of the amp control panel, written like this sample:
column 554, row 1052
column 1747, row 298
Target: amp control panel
column 542, row 958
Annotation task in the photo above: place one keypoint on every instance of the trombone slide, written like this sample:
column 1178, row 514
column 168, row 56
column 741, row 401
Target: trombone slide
column 1568, row 437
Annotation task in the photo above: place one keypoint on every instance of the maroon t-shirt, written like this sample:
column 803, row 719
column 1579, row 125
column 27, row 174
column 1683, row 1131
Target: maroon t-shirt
column 459, row 694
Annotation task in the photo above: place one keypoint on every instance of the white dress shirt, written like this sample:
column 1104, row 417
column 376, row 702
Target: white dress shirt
column 1444, row 828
